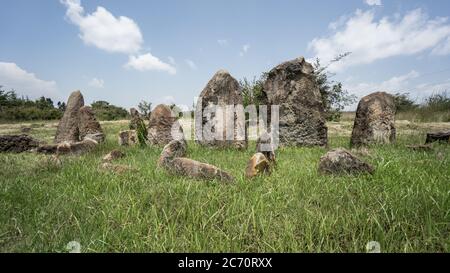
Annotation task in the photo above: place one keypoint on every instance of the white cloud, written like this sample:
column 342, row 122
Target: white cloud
column 97, row 83
column 191, row 64
column 26, row 83
column 104, row 30
column 370, row 40
column 443, row 48
column 373, row 2
column 245, row 49
column 146, row 62
column 222, row 42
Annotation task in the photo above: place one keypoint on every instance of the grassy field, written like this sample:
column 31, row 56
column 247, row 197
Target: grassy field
column 405, row 205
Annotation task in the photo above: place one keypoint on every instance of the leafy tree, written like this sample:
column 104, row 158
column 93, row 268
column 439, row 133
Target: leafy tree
column 105, row 111
column 403, row 102
column 61, row 106
column 334, row 97
column 252, row 91
column 145, row 108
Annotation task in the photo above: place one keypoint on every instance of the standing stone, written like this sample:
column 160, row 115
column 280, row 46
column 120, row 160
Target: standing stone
column 128, row 138
column 340, row 161
column 265, row 146
column 135, row 119
column 88, row 125
column 293, row 87
column 375, row 120
column 211, row 129
column 68, row 126
column 163, row 126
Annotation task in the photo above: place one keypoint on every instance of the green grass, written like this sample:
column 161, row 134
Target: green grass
column 405, row 205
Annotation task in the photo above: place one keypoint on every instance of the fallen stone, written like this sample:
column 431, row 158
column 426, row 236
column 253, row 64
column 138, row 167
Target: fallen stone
column 340, row 161
column 438, row 137
column 258, row 164
column 76, row 148
column 47, row 149
column 17, row 143
column 194, row 169
column 375, row 120
column 113, row 155
column 175, row 148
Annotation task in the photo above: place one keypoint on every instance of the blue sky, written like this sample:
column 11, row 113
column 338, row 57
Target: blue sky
column 166, row 51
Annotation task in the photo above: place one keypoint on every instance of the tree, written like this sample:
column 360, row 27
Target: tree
column 252, row 91
column 403, row 102
column 334, row 97
column 61, row 106
column 145, row 108
column 106, row 111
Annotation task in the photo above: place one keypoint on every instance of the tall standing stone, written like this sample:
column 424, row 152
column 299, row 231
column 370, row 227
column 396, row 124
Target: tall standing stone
column 88, row 124
column 226, row 127
column 293, row 87
column 375, row 120
column 135, row 119
column 68, row 126
column 163, row 126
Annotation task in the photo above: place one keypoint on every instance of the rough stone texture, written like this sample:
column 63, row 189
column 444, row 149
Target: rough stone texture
column 128, row 138
column 135, row 119
column 340, row 161
column 99, row 137
column 68, row 126
column 113, row 155
column 163, row 126
column 375, row 120
column 88, row 124
column 265, row 146
column 76, row 148
column 17, row 143
column 292, row 86
column 221, row 91
column 175, row 148
column 258, row 164
column 47, row 149
column 439, row 136
column 194, row 169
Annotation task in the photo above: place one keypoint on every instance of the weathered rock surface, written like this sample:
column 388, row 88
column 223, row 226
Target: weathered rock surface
column 375, row 120
column 128, row 138
column 135, row 119
column 340, row 161
column 258, row 164
column 175, row 148
column 198, row 170
column 293, row 87
column 265, row 146
column 163, row 126
column 113, row 155
column 68, row 129
column 17, row 143
column 76, row 148
column 47, row 149
column 88, row 125
column 438, row 137
column 225, row 128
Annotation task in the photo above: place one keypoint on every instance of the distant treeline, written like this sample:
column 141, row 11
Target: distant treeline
column 15, row 108
column 436, row 107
